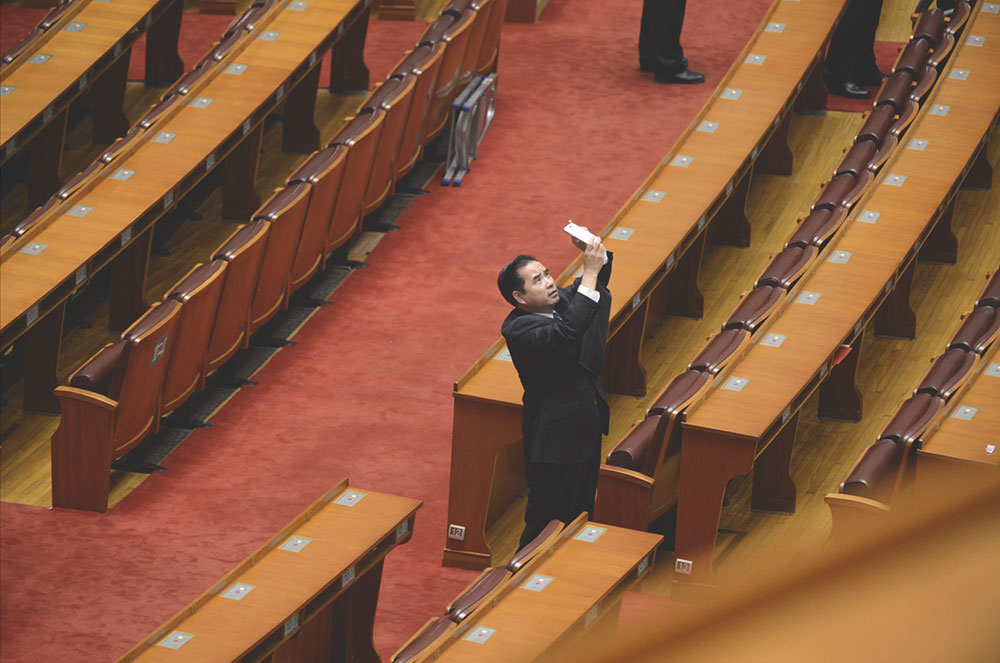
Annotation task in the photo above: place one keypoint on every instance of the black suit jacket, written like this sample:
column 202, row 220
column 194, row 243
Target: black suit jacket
column 559, row 363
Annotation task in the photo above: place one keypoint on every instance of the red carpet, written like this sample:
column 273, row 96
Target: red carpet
column 366, row 392
column 885, row 58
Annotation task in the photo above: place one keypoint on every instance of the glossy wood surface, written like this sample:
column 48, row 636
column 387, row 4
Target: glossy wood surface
column 38, row 86
column 286, row 583
column 588, row 580
column 202, row 138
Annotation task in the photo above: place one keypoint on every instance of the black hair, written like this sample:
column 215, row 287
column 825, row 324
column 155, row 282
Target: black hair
column 509, row 279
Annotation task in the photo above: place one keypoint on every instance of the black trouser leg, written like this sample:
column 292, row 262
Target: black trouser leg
column 558, row 491
column 852, row 45
column 660, row 36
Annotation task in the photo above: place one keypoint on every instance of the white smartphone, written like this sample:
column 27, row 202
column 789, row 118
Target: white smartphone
column 578, row 232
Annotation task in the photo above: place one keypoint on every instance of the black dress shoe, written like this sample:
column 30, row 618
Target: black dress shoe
column 682, row 76
column 848, row 89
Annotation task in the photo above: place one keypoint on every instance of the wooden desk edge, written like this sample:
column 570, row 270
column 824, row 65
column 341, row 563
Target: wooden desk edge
column 164, row 629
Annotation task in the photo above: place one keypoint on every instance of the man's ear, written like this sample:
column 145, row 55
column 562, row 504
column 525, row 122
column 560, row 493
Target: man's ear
column 518, row 296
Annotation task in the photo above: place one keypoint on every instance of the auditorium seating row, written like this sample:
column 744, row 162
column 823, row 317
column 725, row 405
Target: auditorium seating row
column 82, row 47
column 746, row 419
column 697, row 191
column 573, row 579
column 874, row 484
column 119, row 396
column 480, row 591
column 213, row 119
column 639, row 482
column 309, row 594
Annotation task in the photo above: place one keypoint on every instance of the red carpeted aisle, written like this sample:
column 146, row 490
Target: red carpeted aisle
column 366, row 392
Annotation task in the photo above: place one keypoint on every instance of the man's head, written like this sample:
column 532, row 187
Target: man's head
column 527, row 284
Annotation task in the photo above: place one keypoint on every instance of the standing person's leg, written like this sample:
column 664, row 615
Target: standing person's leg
column 544, row 499
column 838, row 68
column 865, row 70
column 660, row 48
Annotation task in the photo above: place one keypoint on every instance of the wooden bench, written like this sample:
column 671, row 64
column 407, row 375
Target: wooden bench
column 81, row 47
column 873, row 486
column 309, row 594
column 573, row 583
column 206, row 120
column 657, row 238
column 747, row 419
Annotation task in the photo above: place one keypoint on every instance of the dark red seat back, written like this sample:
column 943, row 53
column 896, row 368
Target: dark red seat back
column 447, row 86
column 719, row 350
column 639, row 450
column 896, row 90
column 244, row 251
column 424, row 62
column 286, row 211
column 948, row 371
column 818, row 227
column 877, row 124
column 324, row 170
column 490, row 51
column 394, row 97
column 874, row 475
column 361, row 136
column 138, row 379
column 914, row 57
column 535, row 546
column 991, row 293
column 930, row 26
column 912, row 418
column 786, row 267
column 756, row 307
column 199, row 292
column 978, row 331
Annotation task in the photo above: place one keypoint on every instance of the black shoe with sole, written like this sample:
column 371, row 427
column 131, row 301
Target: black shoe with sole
column 848, row 89
column 685, row 76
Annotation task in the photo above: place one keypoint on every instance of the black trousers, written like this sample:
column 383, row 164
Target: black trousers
column 852, row 46
column 559, row 491
column 660, row 36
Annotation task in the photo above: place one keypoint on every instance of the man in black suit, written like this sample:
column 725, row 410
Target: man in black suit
column 556, row 337
column 660, row 42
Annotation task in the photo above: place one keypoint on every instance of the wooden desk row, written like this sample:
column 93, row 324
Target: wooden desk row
column 947, row 427
column 749, row 413
column 108, row 221
column 309, row 594
column 639, row 482
column 119, row 395
column 657, row 237
column 80, row 47
column 570, row 589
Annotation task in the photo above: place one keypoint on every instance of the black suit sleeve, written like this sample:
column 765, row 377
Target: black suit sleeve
column 537, row 334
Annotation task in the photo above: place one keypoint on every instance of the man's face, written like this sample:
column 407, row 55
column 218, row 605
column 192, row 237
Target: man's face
column 539, row 294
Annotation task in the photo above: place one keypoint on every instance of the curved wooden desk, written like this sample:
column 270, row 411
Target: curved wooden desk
column 87, row 49
column 747, row 420
column 109, row 221
column 307, row 595
column 965, row 447
column 582, row 578
column 657, row 238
